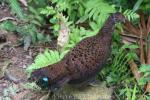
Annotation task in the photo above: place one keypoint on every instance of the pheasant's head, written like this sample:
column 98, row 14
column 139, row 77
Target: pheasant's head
column 118, row 17
column 40, row 77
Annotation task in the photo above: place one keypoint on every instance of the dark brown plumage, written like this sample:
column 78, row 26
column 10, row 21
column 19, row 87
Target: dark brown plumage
column 83, row 62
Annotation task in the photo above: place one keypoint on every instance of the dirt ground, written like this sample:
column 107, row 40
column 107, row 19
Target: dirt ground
column 13, row 63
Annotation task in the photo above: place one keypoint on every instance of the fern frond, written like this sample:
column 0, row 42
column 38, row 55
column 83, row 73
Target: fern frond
column 98, row 11
column 47, row 58
column 145, row 69
column 130, row 14
column 15, row 7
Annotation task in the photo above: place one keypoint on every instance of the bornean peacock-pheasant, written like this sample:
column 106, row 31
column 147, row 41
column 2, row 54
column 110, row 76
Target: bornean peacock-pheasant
column 83, row 62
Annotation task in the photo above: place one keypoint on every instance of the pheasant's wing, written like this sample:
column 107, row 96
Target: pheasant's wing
column 84, row 59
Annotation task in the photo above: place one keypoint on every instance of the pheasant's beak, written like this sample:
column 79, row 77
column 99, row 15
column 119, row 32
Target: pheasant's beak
column 35, row 76
column 31, row 79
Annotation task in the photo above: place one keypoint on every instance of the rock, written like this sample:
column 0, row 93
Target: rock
column 99, row 92
column 3, row 67
column 16, row 74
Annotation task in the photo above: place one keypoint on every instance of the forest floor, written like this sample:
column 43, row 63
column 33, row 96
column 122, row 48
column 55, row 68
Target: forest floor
column 13, row 62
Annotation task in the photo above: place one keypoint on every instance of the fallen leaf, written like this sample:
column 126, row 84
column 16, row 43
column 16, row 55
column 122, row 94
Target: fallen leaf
column 20, row 95
column 134, row 69
column 63, row 37
column 24, row 2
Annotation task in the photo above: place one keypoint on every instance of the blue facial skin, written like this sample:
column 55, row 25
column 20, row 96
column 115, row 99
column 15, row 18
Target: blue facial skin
column 43, row 82
column 45, row 79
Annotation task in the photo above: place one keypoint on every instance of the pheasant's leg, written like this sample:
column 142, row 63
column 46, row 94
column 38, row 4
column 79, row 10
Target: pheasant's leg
column 94, row 82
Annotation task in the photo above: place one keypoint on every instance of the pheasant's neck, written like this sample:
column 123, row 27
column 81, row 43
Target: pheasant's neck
column 108, row 28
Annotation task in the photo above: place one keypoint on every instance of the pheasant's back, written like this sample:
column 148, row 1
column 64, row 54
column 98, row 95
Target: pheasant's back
column 88, row 57
column 91, row 54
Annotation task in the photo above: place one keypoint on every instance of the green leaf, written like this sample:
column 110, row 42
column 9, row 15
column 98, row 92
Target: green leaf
column 44, row 59
column 8, row 25
column 27, row 42
column 134, row 93
column 145, row 68
column 93, row 25
column 130, row 46
column 130, row 14
column 15, row 7
column 82, row 19
column 144, row 80
column 137, row 5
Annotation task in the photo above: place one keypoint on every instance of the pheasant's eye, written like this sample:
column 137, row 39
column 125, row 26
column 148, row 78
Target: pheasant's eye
column 45, row 79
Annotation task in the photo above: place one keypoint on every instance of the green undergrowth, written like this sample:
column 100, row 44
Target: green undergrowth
column 117, row 72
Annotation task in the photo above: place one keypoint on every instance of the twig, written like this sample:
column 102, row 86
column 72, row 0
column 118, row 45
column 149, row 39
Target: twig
column 7, row 18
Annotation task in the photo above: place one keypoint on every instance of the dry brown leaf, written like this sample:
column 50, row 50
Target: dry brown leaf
column 134, row 70
column 142, row 57
column 131, row 28
column 128, row 40
column 63, row 37
column 148, row 56
column 3, row 67
column 130, row 35
column 142, row 32
column 148, row 25
column 20, row 96
column 147, row 88
column 143, row 25
column 45, row 97
column 24, row 2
